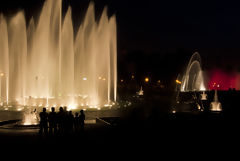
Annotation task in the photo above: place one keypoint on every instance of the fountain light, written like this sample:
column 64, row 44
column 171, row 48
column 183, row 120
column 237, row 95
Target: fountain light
column 199, row 107
column 29, row 123
column 19, row 109
column 72, row 106
column 93, row 106
column 202, row 87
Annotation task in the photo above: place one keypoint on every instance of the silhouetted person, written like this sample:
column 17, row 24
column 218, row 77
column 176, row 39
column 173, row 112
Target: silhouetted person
column 65, row 120
column 81, row 120
column 60, row 120
column 70, row 122
column 43, row 121
column 76, row 123
column 52, row 119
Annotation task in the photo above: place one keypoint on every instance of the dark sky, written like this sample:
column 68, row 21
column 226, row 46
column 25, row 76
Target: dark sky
column 166, row 30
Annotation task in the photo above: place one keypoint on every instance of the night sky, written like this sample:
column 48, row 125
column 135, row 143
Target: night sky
column 158, row 37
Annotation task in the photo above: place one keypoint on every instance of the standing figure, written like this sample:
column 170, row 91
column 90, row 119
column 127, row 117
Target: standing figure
column 60, row 120
column 70, row 122
column 52, row 118
column 43, row 122
column 76, row 123
column 81, row 120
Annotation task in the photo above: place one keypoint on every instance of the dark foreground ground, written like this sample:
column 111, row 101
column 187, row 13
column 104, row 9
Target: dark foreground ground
column 200, row 132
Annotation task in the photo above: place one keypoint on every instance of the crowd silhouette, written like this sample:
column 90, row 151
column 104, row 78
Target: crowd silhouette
column 61, row 122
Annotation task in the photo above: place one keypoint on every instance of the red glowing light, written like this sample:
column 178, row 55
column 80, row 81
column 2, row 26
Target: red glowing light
column 221, row 80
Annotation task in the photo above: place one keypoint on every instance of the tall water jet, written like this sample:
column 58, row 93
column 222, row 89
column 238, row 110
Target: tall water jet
column 45, row 64
column 17, row 39
column 4, row 60
column 215, row 105
column 193, row 79
column 67, row 58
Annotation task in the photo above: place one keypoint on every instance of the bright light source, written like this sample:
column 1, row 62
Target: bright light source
column 99, row 78
column 178, row 82
column 146, row 79
column 133, row 76
column 104, row 79
column 122, row 80
column 19, row 109
column 72, row 106
column 2, row 74
column 84, row 78
column 159, row 81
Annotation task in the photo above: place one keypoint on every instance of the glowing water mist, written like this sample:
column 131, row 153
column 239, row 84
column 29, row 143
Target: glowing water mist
column 46, row 64
column 193, row 79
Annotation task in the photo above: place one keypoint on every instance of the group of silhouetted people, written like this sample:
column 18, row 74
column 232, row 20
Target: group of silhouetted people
column 62, row 122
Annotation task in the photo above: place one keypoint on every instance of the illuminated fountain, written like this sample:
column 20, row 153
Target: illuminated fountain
column 215, row 105
column 46, row 64
column 203, row 96
column 193, row 79
column 140, row 92
column 30, row 117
